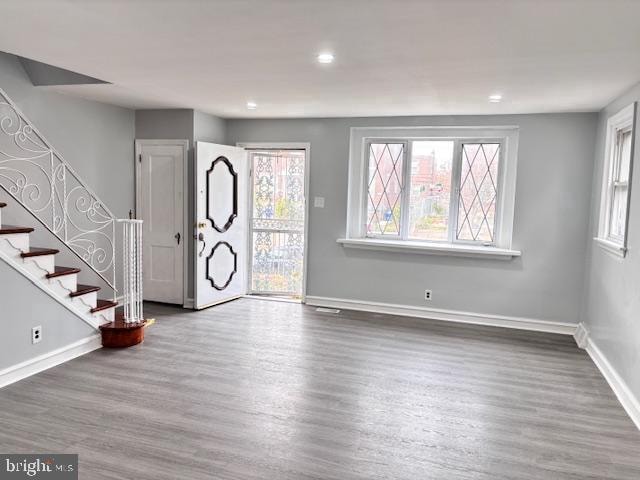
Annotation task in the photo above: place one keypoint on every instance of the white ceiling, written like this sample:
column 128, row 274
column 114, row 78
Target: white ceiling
column 393, row 57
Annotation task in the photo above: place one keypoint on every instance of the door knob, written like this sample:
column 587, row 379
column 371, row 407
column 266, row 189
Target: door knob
column 177, row 237
column 201, row 238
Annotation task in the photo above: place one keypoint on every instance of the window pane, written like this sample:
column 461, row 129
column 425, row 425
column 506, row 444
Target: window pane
column 625, row 156
column 430, row 193
column 478, row 190
column 385, row 188
column 618, row 212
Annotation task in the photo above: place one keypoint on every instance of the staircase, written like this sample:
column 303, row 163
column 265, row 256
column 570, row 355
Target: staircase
column 37, row 177
column 39, row 265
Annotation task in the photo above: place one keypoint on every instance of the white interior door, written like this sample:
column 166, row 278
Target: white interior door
column 160, row 204
column 221, row 221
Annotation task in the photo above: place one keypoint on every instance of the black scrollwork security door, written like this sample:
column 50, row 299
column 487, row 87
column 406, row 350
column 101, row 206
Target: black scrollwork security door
column 277, row 222
column 220, row 224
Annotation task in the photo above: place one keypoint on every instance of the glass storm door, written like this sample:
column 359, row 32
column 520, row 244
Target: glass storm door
column 278, row 222
column 221, row 224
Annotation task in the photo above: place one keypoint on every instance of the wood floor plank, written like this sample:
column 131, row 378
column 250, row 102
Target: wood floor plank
column 255, row 389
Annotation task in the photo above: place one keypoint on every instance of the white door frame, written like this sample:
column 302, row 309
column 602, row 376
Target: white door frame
column 306, row 146
column 186, row 231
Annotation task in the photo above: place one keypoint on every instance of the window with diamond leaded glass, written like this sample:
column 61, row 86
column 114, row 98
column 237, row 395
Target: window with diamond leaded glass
column 433, row 188
column 436, row 190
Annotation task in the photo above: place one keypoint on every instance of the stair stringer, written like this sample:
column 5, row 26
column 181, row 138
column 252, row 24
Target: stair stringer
column 45, row 286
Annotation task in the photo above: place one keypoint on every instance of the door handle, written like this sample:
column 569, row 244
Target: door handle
column 201, row 238
column 177, row 237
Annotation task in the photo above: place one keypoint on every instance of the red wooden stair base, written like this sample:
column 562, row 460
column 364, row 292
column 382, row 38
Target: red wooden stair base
column 119, row 334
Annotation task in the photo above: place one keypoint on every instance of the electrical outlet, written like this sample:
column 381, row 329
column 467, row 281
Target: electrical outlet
column 427, row 295
column 36, row 334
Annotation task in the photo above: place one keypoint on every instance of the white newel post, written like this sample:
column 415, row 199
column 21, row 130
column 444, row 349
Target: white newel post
column 132, row 270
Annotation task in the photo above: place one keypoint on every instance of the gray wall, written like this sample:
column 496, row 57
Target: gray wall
column 551, row 221
column 612, row 299
column 208, row 128
column 97, row 140
column 182, row 124
column 169, row 124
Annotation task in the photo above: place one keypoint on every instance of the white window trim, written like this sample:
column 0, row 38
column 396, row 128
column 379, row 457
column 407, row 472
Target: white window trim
column 430, row 248
column 625, row 118
column 611, row 247
column 356, row 231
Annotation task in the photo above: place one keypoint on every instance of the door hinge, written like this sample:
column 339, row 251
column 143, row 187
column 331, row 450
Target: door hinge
column 140, row 157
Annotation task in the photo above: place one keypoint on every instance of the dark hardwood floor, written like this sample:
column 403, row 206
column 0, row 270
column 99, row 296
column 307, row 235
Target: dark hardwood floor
column 270, row 390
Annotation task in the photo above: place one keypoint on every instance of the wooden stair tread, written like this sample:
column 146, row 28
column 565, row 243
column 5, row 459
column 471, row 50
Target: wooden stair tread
column 103, row 305
column 61, row 271
column 38, row 252
column 5, row 229
column 84, row 289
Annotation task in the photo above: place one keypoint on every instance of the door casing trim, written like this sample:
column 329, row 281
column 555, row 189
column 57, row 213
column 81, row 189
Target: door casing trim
column 186, row 231
column 306, row 146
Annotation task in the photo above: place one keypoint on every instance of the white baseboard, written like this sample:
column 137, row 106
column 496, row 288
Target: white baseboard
column 446, row 315
column 50, row 359
column 581, row 336
column 615, row 381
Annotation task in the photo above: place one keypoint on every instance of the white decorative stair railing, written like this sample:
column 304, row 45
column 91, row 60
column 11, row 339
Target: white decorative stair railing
column 39, row 178
column 132, row 270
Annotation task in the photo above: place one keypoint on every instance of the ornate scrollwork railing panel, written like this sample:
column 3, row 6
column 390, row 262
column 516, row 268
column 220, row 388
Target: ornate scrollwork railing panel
column 39, row 178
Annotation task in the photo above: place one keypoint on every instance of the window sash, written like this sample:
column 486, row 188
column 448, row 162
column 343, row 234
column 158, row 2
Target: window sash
column 499, row 187
column 621, row 187
column 367, row 153
column 454, row 199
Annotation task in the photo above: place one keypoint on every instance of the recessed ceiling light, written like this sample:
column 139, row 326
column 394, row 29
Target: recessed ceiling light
column 496, row 98
column 325, row 58
column 252, row 105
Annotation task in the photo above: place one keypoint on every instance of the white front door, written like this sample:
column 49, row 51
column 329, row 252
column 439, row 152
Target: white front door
column 221, row 223
column 160, row 204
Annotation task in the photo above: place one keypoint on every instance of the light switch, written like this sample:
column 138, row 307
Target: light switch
column 318, row 202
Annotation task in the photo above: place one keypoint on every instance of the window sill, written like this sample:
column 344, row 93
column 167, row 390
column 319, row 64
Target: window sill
column 430, row 248
column 611, row 247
